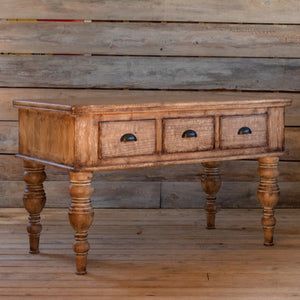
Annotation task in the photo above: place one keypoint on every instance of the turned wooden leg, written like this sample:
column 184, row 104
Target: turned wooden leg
column 81, row 216
column 211, row 184
column 34, row 201
column 268, row 195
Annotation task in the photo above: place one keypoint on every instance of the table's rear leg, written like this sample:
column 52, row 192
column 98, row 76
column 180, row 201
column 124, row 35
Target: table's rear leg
column 211, row 184
column 81, row 216
column 34, row 201
column 268, row 195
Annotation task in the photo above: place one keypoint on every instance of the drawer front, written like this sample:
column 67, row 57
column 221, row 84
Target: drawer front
column 188, row 134
column 243, row 131
column 127, row 138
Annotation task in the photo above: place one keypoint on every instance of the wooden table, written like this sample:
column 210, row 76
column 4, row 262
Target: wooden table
column 88, row 135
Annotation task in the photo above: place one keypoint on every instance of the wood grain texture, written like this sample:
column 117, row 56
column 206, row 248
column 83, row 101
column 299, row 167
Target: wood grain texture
column 107, row 194
column 139, row 107
column 268, row 195
column 173, row 130
column 173, row 194
column 7, row 111
column 122, row 153
column 138, row 253
column 86, row 141
column 34, row 200
column 119, row 38
column 8, row 137
column 81, row 215
column 260, row 11
column 231, row 195
column 211, row 184
column 158, row 39
column 275, row 132
column 230, row 126
column 111, row 134
column 150, row 73
column 47, row 135
column 292, row 144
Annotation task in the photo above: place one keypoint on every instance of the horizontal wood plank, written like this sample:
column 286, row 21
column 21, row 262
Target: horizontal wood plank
column 11, row 169
column 150, row 72
column 231, row 195
column 8, row 137
column 112, row 194
column 292, row 140
column 150, row 195
column 7, row 95
column 119, row 38
column 254, row 11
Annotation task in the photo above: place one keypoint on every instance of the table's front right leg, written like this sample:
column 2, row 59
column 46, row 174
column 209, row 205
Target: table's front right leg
column 81, row 216
column 268, row 195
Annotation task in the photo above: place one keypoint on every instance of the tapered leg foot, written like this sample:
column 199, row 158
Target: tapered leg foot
column 34, row 201
column 81, row 216
column 211, row 184
column 268, row 195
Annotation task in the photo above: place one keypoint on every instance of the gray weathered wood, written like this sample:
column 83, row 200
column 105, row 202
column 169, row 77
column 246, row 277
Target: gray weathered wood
column 251, row 11
column 231, row 195
column 107, row 194
column 147, row 194
column 235, row 40
column 8, row 137
column 292, row 143
column 150, row 72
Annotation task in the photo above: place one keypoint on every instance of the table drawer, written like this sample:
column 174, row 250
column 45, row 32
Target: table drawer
column 243, row 131
column 127, row 138
column 188, row 134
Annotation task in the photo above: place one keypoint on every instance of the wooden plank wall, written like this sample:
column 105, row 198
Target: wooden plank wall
column 78, row 48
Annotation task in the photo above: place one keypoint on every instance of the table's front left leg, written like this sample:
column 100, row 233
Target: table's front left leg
column 34, row 201
column 268, row 195
column 211, row 184
column 81, row 216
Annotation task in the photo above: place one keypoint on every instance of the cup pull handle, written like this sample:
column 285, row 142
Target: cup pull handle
column 189, row 134
column 128, row 137
column 245, row 130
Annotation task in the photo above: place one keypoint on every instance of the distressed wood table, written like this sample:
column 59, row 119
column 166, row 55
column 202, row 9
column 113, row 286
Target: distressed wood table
column 88, row 135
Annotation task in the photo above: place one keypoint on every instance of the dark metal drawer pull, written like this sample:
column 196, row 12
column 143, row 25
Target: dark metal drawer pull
column 128, row 137
column 245, row 130
column 189, row 134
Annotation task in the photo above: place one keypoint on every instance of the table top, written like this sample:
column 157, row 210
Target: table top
column 120, row 100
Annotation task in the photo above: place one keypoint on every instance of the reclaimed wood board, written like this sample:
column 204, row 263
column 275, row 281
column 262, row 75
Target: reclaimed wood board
column 235, row 11
column 172, row 186
column 191, row 73
column 144, row 38
column 123, row 194
column 109, row 194
column 8, row 136
column 243, row 171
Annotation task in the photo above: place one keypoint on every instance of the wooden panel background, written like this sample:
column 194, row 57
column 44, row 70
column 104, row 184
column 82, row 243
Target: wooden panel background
column 70, row 48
